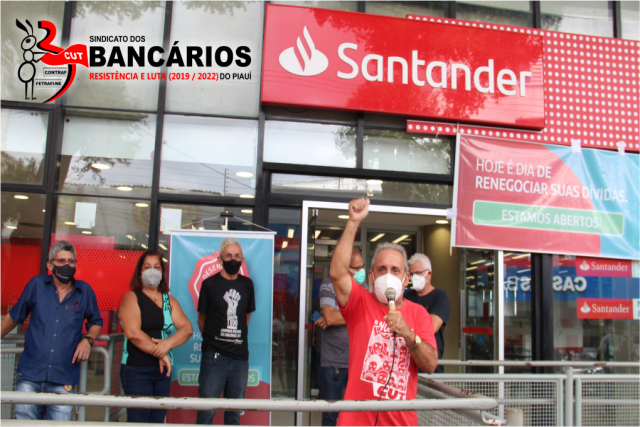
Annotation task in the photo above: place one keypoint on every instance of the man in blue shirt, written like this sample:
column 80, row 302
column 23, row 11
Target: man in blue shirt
column 54, row 344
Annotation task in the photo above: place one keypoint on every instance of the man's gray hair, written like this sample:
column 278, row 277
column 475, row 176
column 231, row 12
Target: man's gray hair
column 228, row 241
column 393, row 246
column 421, row 258
column 62, row 245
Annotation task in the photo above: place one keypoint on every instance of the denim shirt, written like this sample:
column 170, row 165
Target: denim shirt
column 55, row 329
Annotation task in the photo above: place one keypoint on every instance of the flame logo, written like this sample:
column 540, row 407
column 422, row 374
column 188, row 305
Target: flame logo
column 314, row 64
column 585, row 308
column 584, row 266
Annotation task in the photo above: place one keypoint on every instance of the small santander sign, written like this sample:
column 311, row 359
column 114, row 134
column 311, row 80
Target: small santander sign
column 602, row 267
column 605, row 308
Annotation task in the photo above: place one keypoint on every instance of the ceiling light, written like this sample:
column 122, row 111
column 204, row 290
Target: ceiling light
column 143, row 245
column 476, row 262
column 524, row 271
column 521, row 256
column 142, row 205
column 247, row 196
column 86, row 232
column 325, row 238
column 378, row 237
column 243, row 174
column 290, row 233
column 162, row 246
column 401, row 238
column 335, row 228
column 374, row 181
column 165, row 260
column 100, row 166
column 285, row 244
column 223, row 227
column 124, row 188
column 442, row 221
column 130, row 237
column 246, row 210
column 20, row 196
column 472, row 268
column 200, row 228
column 318, row 233
column 343, row 216
column 12, row 227
column 69, row 223
column 44, row 210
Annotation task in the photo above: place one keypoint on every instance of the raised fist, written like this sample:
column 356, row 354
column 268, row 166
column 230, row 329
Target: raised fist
column 358, row 209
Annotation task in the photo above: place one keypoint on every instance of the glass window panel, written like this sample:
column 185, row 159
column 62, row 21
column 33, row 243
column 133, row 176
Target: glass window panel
column 338, row 5
column 218, row 23
column 324, row 186
column 380, row 120
column 24, row 140
column 209, row 155
column 305, row 114
column 310, row 144
column 199, row 217
column 589, row 337
column 402, row 8
column 286, row 223
column 477, row 274
column 630, row 12
column 107, row 223
column 405, row 152
column 107, row 153
column 22, row 229
column 496, row 12
column 517, row 309
column 144, row 18
column 12, row 53
column 593, row 18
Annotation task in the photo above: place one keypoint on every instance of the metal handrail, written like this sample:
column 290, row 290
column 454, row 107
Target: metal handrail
column 265, row 405
column 538, row 363
column 107, row 364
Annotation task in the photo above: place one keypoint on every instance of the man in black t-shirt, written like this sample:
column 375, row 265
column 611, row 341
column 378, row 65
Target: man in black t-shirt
column 225, row 305
column 435, row 300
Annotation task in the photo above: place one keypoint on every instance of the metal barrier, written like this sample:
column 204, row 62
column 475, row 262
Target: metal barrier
column 607, row 400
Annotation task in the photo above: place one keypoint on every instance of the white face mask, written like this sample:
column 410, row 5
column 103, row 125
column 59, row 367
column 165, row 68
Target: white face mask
column 387, row 281
column 418, row 282
column 152, row 277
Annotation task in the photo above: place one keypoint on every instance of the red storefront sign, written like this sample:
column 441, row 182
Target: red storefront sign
column 603, row 267
column 604, row 308
column 361, row 62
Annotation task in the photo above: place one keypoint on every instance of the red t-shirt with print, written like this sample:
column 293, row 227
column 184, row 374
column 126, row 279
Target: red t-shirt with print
column 370, row 357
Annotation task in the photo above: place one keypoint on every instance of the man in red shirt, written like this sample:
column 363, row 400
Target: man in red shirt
column 376, row 371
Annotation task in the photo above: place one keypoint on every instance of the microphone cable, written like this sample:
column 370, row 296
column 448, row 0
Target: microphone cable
column 393, row 360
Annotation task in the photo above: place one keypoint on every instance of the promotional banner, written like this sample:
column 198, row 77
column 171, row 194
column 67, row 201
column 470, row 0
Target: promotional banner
column 370, row 63
column 194, row 258
column 533, row 197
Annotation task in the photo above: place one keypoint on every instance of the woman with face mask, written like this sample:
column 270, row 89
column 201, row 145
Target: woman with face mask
column 149, row 315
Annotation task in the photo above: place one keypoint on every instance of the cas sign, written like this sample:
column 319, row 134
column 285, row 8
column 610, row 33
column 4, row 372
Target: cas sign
column 362, row 62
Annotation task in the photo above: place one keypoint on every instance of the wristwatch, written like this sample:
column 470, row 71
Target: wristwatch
column 417, row 344
column 89, row 339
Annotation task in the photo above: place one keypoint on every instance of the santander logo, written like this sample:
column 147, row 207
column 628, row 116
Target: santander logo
column 585, row 308
column 584, row 266
column 314, row 64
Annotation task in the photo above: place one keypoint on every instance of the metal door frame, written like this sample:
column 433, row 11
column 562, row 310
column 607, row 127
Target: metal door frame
column 306, row 205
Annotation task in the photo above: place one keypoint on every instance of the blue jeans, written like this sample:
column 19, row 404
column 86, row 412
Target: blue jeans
column 220, row 373
column 332, row 388
column 145, row 380
column 42, row 412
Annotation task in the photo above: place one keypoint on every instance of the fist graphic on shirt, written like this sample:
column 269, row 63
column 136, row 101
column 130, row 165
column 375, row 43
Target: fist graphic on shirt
column 232, row 297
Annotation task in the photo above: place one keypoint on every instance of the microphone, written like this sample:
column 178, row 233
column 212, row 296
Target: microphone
column 390, row 294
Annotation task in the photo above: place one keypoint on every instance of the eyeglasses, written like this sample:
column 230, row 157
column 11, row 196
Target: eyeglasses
column 61, row 261
column 356, row 269
column 229, row 257
column 422, row 273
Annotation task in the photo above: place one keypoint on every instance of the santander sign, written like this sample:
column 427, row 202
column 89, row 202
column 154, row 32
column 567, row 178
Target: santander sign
column 362, row 62
column 604, row 308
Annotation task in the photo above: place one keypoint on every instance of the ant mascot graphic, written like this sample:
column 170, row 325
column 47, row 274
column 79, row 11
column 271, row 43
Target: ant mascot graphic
column 27, row 71
column 49, row 55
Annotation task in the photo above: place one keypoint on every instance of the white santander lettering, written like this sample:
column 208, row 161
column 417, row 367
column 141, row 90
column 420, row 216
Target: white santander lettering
column 415, row 63
column 365, row 70
column 405, row 69
column 348, row 61
column 476, row 78
column 511, row 81
column 443, row 74
column 523, row 81
column 454, row 76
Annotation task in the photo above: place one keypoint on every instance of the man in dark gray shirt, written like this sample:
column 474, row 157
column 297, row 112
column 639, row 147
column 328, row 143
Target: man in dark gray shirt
column 335, row 342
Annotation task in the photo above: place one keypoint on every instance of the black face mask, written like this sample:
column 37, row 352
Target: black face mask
column 65, row 273
column 232, row 267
